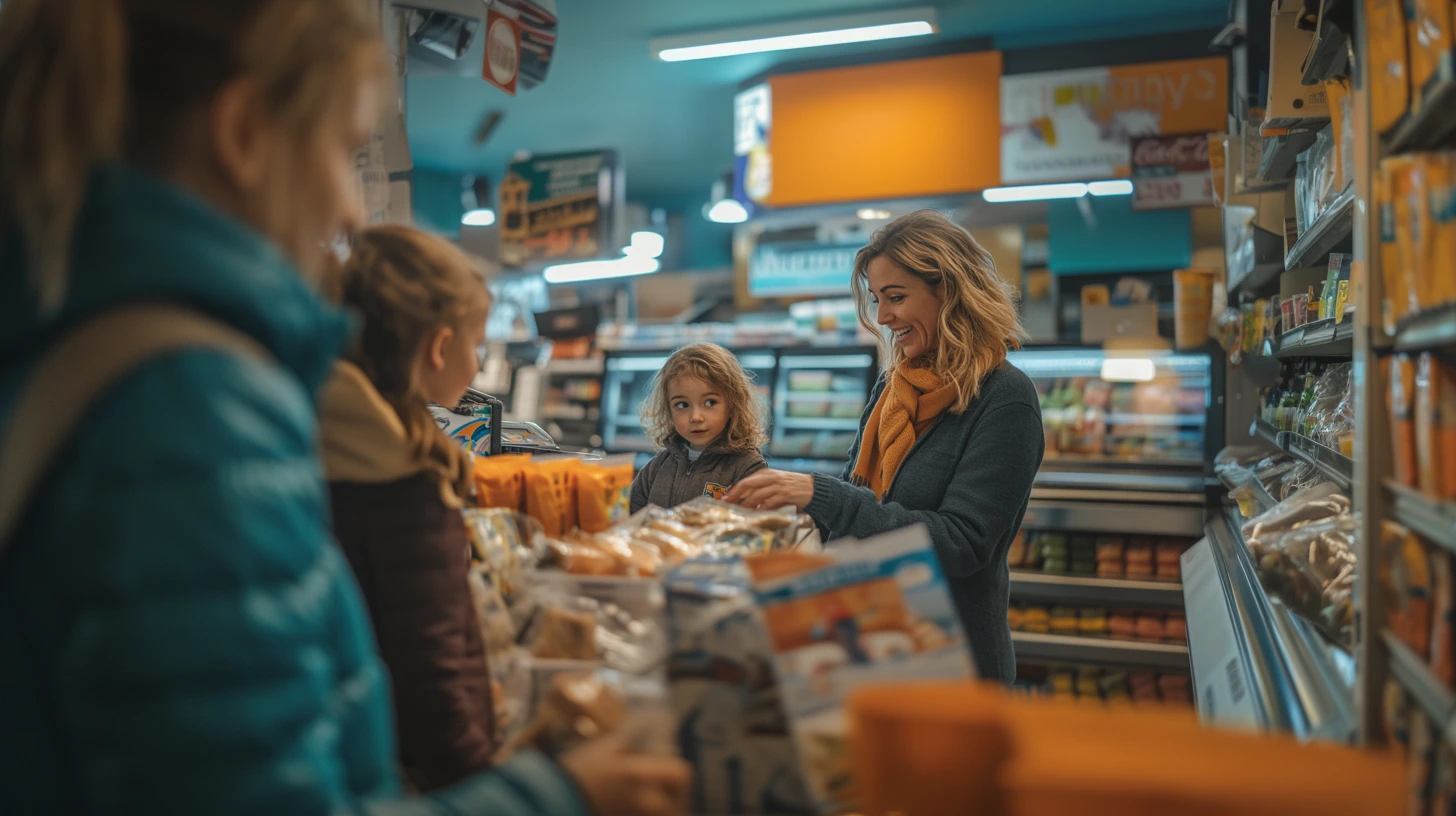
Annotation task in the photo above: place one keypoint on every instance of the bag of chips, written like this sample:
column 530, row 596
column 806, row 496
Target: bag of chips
column 500, row 481
column 604, row 494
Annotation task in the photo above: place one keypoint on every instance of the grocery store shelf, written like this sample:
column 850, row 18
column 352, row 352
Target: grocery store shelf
column 1122, row 480
column 1434, row 124
column 1428, row 692
column 1328, row 57
column 1432, row 519
column 1257, row 264
column 1332, row 464
column 1430, row 329
column 1037, row 587
column 1276, row 163
column 818, row 424
column 1099, row 651
column 825, row 396
column 1111, row 516
column 1255, row 664
column 1322, row 338
column 1333, row 228
column 576, row 367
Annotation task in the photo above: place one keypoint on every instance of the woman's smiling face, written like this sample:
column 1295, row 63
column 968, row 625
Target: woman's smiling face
column 905, row 304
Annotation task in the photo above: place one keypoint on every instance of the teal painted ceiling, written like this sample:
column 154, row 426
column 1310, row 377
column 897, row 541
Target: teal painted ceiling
column 672, row 122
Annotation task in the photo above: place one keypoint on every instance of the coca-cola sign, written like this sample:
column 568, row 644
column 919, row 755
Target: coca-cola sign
column 1171, row 171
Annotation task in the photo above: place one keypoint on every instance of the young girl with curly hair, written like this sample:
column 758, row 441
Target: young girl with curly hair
column 704, row 413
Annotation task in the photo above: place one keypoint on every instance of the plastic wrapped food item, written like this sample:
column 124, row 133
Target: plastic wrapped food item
column 1312, row 569
column 1331, row 415
column 869, row 612
column 503, row 541
column 603, row 495
column 1122, row 624
column 551, row 494
column 577, row 707
column 500, row 481
column 617, row 624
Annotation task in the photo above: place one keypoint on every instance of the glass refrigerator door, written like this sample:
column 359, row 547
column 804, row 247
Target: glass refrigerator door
column 818, row 403
column 629, row 380
column 626, row 385
column 1122, row 407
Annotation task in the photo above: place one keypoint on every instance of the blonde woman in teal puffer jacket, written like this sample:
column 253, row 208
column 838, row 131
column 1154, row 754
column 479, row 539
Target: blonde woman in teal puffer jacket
column 178, row 633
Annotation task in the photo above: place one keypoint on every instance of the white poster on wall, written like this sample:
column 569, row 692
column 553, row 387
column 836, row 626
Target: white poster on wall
column 1079, row 125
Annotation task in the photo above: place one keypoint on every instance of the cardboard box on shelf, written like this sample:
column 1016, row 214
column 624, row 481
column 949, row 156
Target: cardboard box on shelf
column 1290, row 103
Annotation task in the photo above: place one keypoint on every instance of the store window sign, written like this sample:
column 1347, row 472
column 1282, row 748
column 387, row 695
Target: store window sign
column 794, row 270
column 752, row 164
column 1076, row 125
column 1170, row 172
column 556, row 207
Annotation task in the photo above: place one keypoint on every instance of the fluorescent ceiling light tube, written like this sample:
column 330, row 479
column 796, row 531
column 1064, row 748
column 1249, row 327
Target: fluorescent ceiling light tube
column 1034, row 192
column 1128, row 369
column 483, row 217
column 727, row 211
column 645, row 244
column 600, row 270
column 1110, row 188
column 850, row 28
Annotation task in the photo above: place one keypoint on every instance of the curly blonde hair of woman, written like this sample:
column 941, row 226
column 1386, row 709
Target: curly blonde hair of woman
column 717, row 367
column 978, row 318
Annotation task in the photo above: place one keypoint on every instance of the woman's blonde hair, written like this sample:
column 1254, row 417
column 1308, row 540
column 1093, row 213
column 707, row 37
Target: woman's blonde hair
column 88, row 82
column 978, row 319
column 406, row 284
column 717, row 367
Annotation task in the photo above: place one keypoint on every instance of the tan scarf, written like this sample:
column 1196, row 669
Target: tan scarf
column 912, row 399
column 363, row 440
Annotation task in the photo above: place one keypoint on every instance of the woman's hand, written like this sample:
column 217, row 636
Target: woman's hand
column 614, row 781
column 772, row 489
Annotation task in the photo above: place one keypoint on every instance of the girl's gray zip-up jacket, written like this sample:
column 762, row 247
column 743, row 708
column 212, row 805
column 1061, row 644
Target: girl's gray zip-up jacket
column 671, row 478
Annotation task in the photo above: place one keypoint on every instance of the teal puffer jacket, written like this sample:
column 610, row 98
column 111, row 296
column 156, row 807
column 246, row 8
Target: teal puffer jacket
column 178, row 632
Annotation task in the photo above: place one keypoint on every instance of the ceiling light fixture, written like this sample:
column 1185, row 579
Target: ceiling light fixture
column 1034, row 192
column 1110, row 188
column 1128, row 369
column 872, row 214
column 840, row 30
column 645, row 244
column 727, row 211
column 479, row 217
column 626, row 266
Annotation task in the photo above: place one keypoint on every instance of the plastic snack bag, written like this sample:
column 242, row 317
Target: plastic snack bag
column 577, row 707
column 604, row 495
column 500, row 481
column 551, row 494
column 502, row 541
column 861, row 613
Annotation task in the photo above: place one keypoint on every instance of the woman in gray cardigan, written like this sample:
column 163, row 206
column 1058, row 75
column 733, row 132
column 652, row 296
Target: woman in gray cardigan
column 952, row 437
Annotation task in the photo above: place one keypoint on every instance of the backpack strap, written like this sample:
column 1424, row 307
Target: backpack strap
column 77, row 370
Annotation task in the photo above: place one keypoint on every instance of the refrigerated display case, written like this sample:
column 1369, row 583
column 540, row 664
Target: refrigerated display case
column 628, row 379
column 817, row 403
column 1122, row 491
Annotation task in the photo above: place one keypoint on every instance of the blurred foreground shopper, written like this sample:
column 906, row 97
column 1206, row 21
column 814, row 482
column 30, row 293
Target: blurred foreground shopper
column 396, row 482
column 178, row 633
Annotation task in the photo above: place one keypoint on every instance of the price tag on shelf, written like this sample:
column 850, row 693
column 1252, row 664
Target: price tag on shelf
column 1171, row 172
column 1225, row 683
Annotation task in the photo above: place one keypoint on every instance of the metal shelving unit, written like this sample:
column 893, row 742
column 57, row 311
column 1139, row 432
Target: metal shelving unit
column 1037, row 587
column 1332, row 464
column 1322, row 338
column 1432, row 519
column 1431, row 329
column 1332, row 229
column 1415, row 677
column 1035, row 647
column 1070, row 511
column 1256, row 664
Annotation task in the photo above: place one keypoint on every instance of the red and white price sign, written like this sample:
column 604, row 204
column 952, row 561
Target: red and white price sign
column 1170, row 172
column 502, row 51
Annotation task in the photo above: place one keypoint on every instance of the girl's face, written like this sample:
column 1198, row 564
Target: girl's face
column 909, row 306
column 698, row 411
column 451, row 360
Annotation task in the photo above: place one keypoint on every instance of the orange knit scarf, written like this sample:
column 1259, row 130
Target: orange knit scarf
column 912, row 400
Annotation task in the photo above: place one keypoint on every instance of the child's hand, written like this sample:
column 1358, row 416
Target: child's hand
column 617, row 783
column 772, row 489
